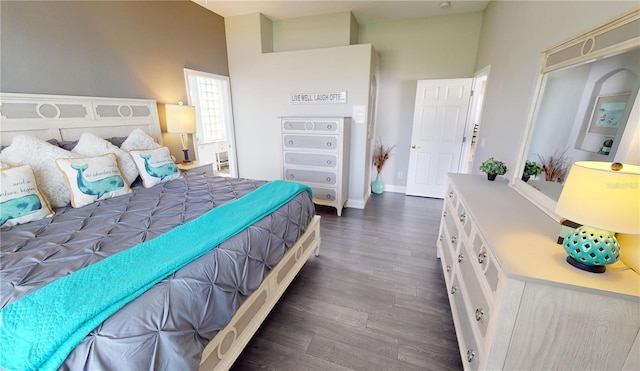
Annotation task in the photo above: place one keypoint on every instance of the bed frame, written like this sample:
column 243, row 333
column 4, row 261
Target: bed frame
column 67, row 117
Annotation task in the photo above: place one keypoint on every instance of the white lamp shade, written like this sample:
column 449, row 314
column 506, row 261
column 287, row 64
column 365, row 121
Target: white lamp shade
column 180, row 119
column 596, row 196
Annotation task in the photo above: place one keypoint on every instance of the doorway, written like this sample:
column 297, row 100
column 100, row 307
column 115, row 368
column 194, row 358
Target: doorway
column 478, row 91
column 215, row 143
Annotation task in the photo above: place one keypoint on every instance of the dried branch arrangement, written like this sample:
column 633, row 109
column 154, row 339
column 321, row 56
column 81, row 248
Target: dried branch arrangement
column 555, row 167
column 381, row 154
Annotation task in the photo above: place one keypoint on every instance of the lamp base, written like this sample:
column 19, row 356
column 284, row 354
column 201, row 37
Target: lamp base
column 186, row 156
column 586, row 267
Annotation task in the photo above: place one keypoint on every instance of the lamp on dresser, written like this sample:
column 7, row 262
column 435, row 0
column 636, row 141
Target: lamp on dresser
column 181, row 120
column 604, row 198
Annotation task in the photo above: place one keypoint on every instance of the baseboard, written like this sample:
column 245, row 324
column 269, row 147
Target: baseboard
column 356, row 204
column 395, row 188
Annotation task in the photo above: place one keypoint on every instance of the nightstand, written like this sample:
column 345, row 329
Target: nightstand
column 196, row 167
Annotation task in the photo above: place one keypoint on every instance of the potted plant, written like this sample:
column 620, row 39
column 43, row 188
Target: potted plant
column 493, row 168
column 531, row 168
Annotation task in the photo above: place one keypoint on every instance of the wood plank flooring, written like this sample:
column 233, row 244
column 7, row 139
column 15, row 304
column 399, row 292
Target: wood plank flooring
column 374, row 299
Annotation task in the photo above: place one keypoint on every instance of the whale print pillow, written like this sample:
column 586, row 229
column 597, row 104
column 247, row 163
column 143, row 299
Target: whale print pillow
column 155, row 166
column 93, row 178
column 20, row 198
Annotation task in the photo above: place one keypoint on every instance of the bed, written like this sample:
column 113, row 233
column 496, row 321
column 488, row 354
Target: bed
column 202, row 315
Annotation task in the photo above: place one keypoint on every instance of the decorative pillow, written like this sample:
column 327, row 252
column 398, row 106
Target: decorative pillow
column 90, row 145
column 138, row 139
column 92, row 179
column 20, row 198
column 40, row 155
column 155, row 166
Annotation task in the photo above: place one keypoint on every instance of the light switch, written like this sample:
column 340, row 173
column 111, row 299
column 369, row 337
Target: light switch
column 359, row 114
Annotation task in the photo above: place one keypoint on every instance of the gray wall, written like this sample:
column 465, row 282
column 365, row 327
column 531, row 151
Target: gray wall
column 129, row 49
column 514, row 34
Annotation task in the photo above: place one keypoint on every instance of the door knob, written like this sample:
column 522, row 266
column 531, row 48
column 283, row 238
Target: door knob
column 413, row 146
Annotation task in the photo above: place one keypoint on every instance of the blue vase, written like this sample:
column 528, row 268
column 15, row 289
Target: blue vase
column 377, row 186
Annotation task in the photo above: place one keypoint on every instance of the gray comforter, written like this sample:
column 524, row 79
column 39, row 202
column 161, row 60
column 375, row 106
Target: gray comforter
column 169, row 325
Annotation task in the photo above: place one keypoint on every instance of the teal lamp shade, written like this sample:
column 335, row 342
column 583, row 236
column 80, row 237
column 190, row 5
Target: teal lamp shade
column 604, row 198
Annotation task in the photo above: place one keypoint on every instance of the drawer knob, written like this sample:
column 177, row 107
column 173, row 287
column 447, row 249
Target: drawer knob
column 479, row 314
column 463, row 217
column 470, row 355
column 328, row 196
column 448, row 268
column 444, row 215
column 328, row 162
column 329, row 126
column 291, row 176
column 329, row 144
column 451, row 194
column 328, row 179
column 454, row 239
column 453, row 290
column 441, row 237
column 460, row 257
column 290, row 142
column 481, row 257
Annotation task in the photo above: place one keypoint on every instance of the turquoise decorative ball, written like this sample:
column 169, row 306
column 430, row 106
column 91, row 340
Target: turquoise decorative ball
column 592, row 246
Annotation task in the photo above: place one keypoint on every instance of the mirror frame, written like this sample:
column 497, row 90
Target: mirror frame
column 613, row 37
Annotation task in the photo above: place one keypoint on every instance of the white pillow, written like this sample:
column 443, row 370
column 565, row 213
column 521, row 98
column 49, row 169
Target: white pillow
column 40, row 155
column 155, row 166
column 90, row 145
column 138, row 139
column 20, row 199
column 92, row 179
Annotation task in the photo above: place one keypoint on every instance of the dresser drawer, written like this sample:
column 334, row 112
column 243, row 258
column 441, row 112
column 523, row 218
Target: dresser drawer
column 326, row 194
column 323, row 142
column 469, row 350
column 450, row 225
column 447, row 252
column 319, row 126
column 320, row 177
column 487, row 262
column 464, row 219
column 479, row 307
column 311, row 159
column 452, row 195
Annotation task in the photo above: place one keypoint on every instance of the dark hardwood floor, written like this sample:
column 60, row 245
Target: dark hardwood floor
column 373, row 300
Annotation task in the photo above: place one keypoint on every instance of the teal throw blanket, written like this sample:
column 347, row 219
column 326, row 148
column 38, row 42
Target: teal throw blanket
column 38, row 331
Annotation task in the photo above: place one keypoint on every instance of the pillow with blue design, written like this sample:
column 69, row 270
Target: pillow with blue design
column 20, row 199
column 93, row 178
column 155, row 166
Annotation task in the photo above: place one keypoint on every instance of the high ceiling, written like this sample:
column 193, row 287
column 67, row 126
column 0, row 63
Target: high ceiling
column 370, row 11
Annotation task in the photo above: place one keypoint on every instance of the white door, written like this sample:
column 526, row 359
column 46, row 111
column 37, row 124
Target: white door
column 439, row 119
column 215, row 142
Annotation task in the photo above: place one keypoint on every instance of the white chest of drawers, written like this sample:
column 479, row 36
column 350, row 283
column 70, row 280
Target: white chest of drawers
column 316, row 153
column 516, row 303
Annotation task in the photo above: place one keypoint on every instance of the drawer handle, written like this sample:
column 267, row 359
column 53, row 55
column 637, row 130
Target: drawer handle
column 451, row 194
column 290, row 142
column 328, row 179
column 448, row 268
column 328, row 196
column 460, row 257
column 481, row 257
column 479, row 314
column 441, row 237
column 329, row 126
column 463, row 216
column 453, row 290
column 444, row 215
column 291, row 176
column 328, row 162
column 329, row 144
column 454, row 239
column 470, row 355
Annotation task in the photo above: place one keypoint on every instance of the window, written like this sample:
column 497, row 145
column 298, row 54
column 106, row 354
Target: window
column 210, row 94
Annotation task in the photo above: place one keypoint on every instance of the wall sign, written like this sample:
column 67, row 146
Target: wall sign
column 319, row 98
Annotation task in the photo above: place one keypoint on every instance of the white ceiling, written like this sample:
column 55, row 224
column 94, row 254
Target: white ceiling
column 365, row 11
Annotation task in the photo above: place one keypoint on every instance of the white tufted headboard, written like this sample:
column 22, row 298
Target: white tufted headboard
column 67, row 117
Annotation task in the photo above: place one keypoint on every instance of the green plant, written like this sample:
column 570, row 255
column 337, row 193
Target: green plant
column 493, row 166
column 531, row 168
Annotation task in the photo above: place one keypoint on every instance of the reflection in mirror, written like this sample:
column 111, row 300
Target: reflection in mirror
column 582, row 116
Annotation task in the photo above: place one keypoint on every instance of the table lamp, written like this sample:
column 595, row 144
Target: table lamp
column 181, row 119
column 604, row 198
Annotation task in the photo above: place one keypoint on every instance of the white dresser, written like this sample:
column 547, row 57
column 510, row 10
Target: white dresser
column 316, row 153
column 516, row 303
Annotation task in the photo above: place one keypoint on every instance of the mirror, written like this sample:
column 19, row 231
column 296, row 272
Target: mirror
column 587, row 92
